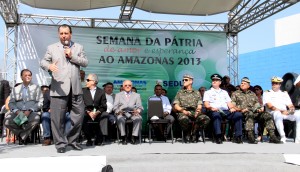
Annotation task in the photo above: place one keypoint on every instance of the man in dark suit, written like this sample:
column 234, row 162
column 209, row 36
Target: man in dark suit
column 95, row 118
column 26, row 99
column 64, row 59
column 128, row 105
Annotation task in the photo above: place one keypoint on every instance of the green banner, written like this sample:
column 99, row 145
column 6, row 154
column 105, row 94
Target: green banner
column 145, row 57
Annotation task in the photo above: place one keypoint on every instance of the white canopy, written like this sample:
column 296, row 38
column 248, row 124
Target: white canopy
column 185, row 7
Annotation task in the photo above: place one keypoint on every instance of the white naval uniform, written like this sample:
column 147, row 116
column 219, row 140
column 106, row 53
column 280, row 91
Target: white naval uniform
column 281, row 100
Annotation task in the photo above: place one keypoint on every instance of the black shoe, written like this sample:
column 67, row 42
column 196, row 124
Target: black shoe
column 133, row 140
column 195, row 139
column 219, row 140
column 99, row 142
column 274, row 139
column 24, row 142
column 76, row 147
column 187, row 139
column 251, row 139
column 89, row 143
column 237, row 140
column 61, row 150
column 124, row 141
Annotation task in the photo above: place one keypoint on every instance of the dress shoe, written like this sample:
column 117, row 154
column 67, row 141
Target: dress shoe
column 99, row 142
column 124, row 141
column 46, row 142
column 219, row 140
column 237, row 140
column 61, row 150
column 187, row 139
column 76, row 147
column 133, row 140
column 89, row 143
column 24, row 142
column 194, row 139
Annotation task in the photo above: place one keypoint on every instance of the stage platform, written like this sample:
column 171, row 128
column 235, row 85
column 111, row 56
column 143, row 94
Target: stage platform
column 161, row 156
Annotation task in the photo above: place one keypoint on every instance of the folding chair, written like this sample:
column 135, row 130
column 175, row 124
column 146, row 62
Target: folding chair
column 155, row 108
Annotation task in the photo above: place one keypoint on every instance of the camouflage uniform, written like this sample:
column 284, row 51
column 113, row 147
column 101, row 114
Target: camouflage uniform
column 189, row 100
column 250, row 101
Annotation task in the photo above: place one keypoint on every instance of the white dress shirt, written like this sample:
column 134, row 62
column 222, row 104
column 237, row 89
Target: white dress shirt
column 109, row 102
column 217, row 98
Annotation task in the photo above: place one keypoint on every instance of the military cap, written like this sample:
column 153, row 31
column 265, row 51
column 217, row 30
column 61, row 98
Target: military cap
column 276, row 79
column 216, row 76
column 188, row 76
column 246, row 79
column 108, row 83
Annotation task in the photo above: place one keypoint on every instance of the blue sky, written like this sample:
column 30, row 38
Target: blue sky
column 258, row 37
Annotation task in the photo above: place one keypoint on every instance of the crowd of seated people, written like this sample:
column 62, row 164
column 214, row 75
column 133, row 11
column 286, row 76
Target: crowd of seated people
column 105, row 111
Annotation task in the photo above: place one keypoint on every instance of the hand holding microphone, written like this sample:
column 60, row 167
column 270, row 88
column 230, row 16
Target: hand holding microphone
column 67, row 49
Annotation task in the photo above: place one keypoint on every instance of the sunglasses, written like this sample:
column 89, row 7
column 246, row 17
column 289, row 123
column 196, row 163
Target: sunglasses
column 127, row 85
column 276, row 83
column 185, row 80
column 88, row 80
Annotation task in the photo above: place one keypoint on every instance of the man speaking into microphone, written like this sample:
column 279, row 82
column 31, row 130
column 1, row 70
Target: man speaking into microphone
column 63, row 59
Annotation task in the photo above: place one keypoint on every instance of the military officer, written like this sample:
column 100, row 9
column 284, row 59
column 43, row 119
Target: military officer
column 219, row 106
column 188, row 104
column 246, row 101
column 276, row 102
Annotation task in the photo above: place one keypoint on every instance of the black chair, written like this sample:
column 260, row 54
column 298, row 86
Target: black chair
column 155, row 108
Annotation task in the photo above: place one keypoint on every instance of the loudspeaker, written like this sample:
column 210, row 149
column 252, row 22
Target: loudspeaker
column 288, row 85
column 107, row 168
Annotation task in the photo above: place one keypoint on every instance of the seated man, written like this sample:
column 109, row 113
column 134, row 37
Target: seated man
column 246, row 101
column 110, row 98
column 46, row 120
column 188, row 104
column 25, row 100
column 128, row 105
column 95, row 118
column 276, row 103
column 219, row 107
column 167, row 113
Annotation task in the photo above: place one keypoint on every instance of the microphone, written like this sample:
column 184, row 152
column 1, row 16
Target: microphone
column 66, row 45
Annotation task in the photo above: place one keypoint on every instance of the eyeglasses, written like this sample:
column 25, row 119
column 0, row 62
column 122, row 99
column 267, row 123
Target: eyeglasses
column 185, row 80
column 276, row 83
column 215, row 80
column 127, row 85
column 88, row 80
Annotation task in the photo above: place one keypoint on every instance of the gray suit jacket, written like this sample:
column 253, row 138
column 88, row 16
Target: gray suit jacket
column 122, row 103
column 68, row 74
column 34, row 100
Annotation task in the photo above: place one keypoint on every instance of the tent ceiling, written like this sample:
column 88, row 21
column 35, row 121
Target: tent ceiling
column 185, row 7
